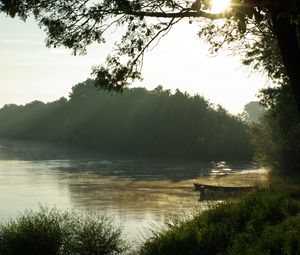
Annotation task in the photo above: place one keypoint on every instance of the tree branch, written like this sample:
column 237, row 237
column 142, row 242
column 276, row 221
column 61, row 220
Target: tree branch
column 186, row 13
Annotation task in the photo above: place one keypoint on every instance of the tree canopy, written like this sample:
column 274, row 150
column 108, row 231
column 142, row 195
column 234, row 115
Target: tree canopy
column 137, row 122
column 261, row 29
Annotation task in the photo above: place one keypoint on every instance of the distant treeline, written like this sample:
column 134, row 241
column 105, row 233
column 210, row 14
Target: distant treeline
column 137, row 122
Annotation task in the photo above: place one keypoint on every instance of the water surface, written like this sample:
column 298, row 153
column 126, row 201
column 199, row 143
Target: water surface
column 136, row 192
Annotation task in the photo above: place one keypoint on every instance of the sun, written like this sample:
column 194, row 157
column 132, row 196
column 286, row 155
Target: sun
column 218, row 6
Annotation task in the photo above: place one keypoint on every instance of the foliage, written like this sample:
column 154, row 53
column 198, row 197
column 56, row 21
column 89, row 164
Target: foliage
column 264, row 222
column 51, row 232
column 257, row 46
column 138, row 122
column 78, row 23
column 277, row 136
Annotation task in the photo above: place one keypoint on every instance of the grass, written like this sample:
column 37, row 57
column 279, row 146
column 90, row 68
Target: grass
column 264, row 222
column 51, row 232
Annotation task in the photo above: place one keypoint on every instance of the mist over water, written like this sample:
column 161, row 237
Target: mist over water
column 135, row 192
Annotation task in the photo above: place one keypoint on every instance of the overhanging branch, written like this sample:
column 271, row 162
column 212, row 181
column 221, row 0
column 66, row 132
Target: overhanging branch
column 182, row 14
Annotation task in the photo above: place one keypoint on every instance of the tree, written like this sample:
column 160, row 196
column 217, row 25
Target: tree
column 277, row 135
column 253, row 112
column 137, row 122
column 77, row 23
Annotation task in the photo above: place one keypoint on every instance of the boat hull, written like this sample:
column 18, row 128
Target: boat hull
column 220, row 192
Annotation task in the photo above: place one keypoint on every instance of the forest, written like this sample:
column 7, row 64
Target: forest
column 137, row 122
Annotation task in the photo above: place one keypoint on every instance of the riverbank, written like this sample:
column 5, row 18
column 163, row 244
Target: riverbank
column 264, row 222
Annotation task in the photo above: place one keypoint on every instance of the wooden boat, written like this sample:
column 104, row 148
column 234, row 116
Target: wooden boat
column 218, row 192
column 199, row 186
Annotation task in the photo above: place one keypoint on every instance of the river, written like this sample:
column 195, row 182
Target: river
column 137, row 193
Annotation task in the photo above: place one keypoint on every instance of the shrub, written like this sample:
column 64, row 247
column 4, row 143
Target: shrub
column 51, row 232
column 264, row 222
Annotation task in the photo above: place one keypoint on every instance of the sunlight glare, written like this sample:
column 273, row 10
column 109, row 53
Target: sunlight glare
column 218, row 6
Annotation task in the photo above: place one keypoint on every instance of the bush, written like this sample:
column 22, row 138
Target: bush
column 264, row 222
column 50, row 232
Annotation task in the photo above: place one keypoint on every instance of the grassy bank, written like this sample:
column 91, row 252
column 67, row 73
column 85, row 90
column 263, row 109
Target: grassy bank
column 264, row 222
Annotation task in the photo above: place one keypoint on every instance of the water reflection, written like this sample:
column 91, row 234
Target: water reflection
column 136, row 192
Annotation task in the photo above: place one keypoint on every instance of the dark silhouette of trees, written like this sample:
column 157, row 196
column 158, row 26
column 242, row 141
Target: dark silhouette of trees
column 250, row 26
column 137, row 122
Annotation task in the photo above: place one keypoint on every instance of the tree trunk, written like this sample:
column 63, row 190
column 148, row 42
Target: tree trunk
column 286, row 33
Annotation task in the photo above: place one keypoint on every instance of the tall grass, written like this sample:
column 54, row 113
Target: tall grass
column 51, row 232
column 264, row 222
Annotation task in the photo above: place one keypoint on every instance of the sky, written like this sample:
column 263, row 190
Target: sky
column 30, row 71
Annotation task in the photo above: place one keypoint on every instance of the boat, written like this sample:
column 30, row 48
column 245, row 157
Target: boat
column 200, row 186
column 218, row 191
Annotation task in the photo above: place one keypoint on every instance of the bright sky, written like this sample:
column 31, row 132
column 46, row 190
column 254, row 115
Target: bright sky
column 29, row 71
